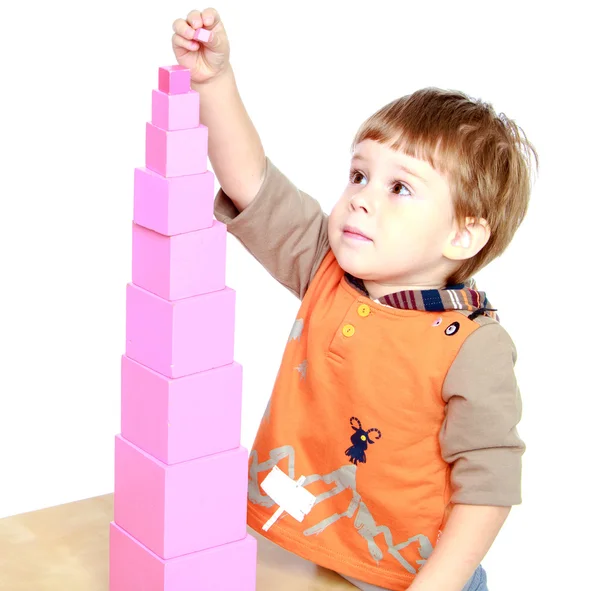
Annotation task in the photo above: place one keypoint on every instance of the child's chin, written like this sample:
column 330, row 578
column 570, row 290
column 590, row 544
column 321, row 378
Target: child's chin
column 351, row 264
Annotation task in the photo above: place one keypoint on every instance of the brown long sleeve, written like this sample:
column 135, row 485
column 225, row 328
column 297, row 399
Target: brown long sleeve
column 479, row 436
column 283, row 228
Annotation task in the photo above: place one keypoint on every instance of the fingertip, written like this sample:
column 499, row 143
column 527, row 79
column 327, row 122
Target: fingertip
column 194, row 15
column 209, row 16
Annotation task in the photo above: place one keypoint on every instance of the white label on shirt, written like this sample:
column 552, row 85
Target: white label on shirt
column 288, row 494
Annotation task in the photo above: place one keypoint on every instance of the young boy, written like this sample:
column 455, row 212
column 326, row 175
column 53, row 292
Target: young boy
column 396, row 397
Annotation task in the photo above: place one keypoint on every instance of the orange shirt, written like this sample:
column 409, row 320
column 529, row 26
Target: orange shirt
column 357, row 409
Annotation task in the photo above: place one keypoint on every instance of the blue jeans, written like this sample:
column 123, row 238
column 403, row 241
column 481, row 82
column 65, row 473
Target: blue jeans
column 478, row 582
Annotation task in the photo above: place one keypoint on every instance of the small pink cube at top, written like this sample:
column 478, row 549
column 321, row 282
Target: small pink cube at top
column 202, row 35
column 174, row 79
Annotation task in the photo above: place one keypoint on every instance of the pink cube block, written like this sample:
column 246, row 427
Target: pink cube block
column 176, row 153
column 132, row 567
column 181, row 508
column 173, row 205
column 182, row 337
column 176, row 420
column 176, row 267
column 203, row 35
column 174, row 79
column 175, row 111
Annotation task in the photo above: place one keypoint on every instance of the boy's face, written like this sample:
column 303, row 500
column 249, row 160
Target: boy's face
column 394, row 221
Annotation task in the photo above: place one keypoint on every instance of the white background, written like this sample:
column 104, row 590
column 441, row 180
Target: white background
column 76, row 88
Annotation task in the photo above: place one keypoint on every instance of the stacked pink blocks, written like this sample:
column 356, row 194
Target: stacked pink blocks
column 180, row 471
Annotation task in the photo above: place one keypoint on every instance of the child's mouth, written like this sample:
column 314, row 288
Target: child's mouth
column 355, row 234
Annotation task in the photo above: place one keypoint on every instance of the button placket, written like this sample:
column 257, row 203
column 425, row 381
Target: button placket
column 363, row 311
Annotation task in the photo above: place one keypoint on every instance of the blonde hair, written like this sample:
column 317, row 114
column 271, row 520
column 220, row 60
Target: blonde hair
column 486, row 158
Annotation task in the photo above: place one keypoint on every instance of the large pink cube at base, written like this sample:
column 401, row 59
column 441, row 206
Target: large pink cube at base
column 132, row 567
column 181, row 508
column 174, row 79
column 176, row 420
column 175, row 111
column 182, row 266
column 176, row 153
column 182, row 337
column 173, row 205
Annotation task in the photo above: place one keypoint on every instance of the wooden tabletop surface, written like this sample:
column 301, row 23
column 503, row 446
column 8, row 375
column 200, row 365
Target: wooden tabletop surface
column 65, row 548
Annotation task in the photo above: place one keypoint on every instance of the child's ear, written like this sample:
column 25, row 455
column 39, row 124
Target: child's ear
column 464, row 243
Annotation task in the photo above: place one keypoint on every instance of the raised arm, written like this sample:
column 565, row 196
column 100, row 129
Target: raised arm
column 282, row 227
column 234, row 147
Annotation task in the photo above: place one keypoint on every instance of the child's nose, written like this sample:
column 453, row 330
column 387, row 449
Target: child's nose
column 362, row 201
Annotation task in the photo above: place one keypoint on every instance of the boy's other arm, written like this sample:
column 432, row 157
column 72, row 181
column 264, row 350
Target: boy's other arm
column 234, row 146
column 479, row 439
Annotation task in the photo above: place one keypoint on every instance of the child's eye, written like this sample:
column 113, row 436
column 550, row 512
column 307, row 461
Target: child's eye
column 401, row 185
column 354, row 174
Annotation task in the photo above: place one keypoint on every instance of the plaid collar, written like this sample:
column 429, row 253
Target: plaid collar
column 463, row 296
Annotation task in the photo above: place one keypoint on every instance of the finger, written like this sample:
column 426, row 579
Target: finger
column 183, row 29
column 194, row 18
column 179, row 41
column 210, row 17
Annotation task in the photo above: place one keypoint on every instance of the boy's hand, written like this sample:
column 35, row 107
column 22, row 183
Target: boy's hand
column 205, row 60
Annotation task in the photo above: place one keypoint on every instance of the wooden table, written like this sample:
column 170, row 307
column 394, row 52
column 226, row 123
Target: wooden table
column 65, row 548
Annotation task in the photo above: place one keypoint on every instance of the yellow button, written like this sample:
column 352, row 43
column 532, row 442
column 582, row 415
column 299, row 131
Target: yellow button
column 364, row 310
column 348, row 330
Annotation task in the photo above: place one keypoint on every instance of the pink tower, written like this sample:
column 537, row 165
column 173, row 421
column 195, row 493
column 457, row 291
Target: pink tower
column 180, row 471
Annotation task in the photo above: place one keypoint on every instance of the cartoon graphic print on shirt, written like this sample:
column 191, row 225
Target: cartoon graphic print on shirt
column 296, row 331
column 302, row 369
column 342, row 479
column 295, row 334
column 452, row 329
column 360, row 440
